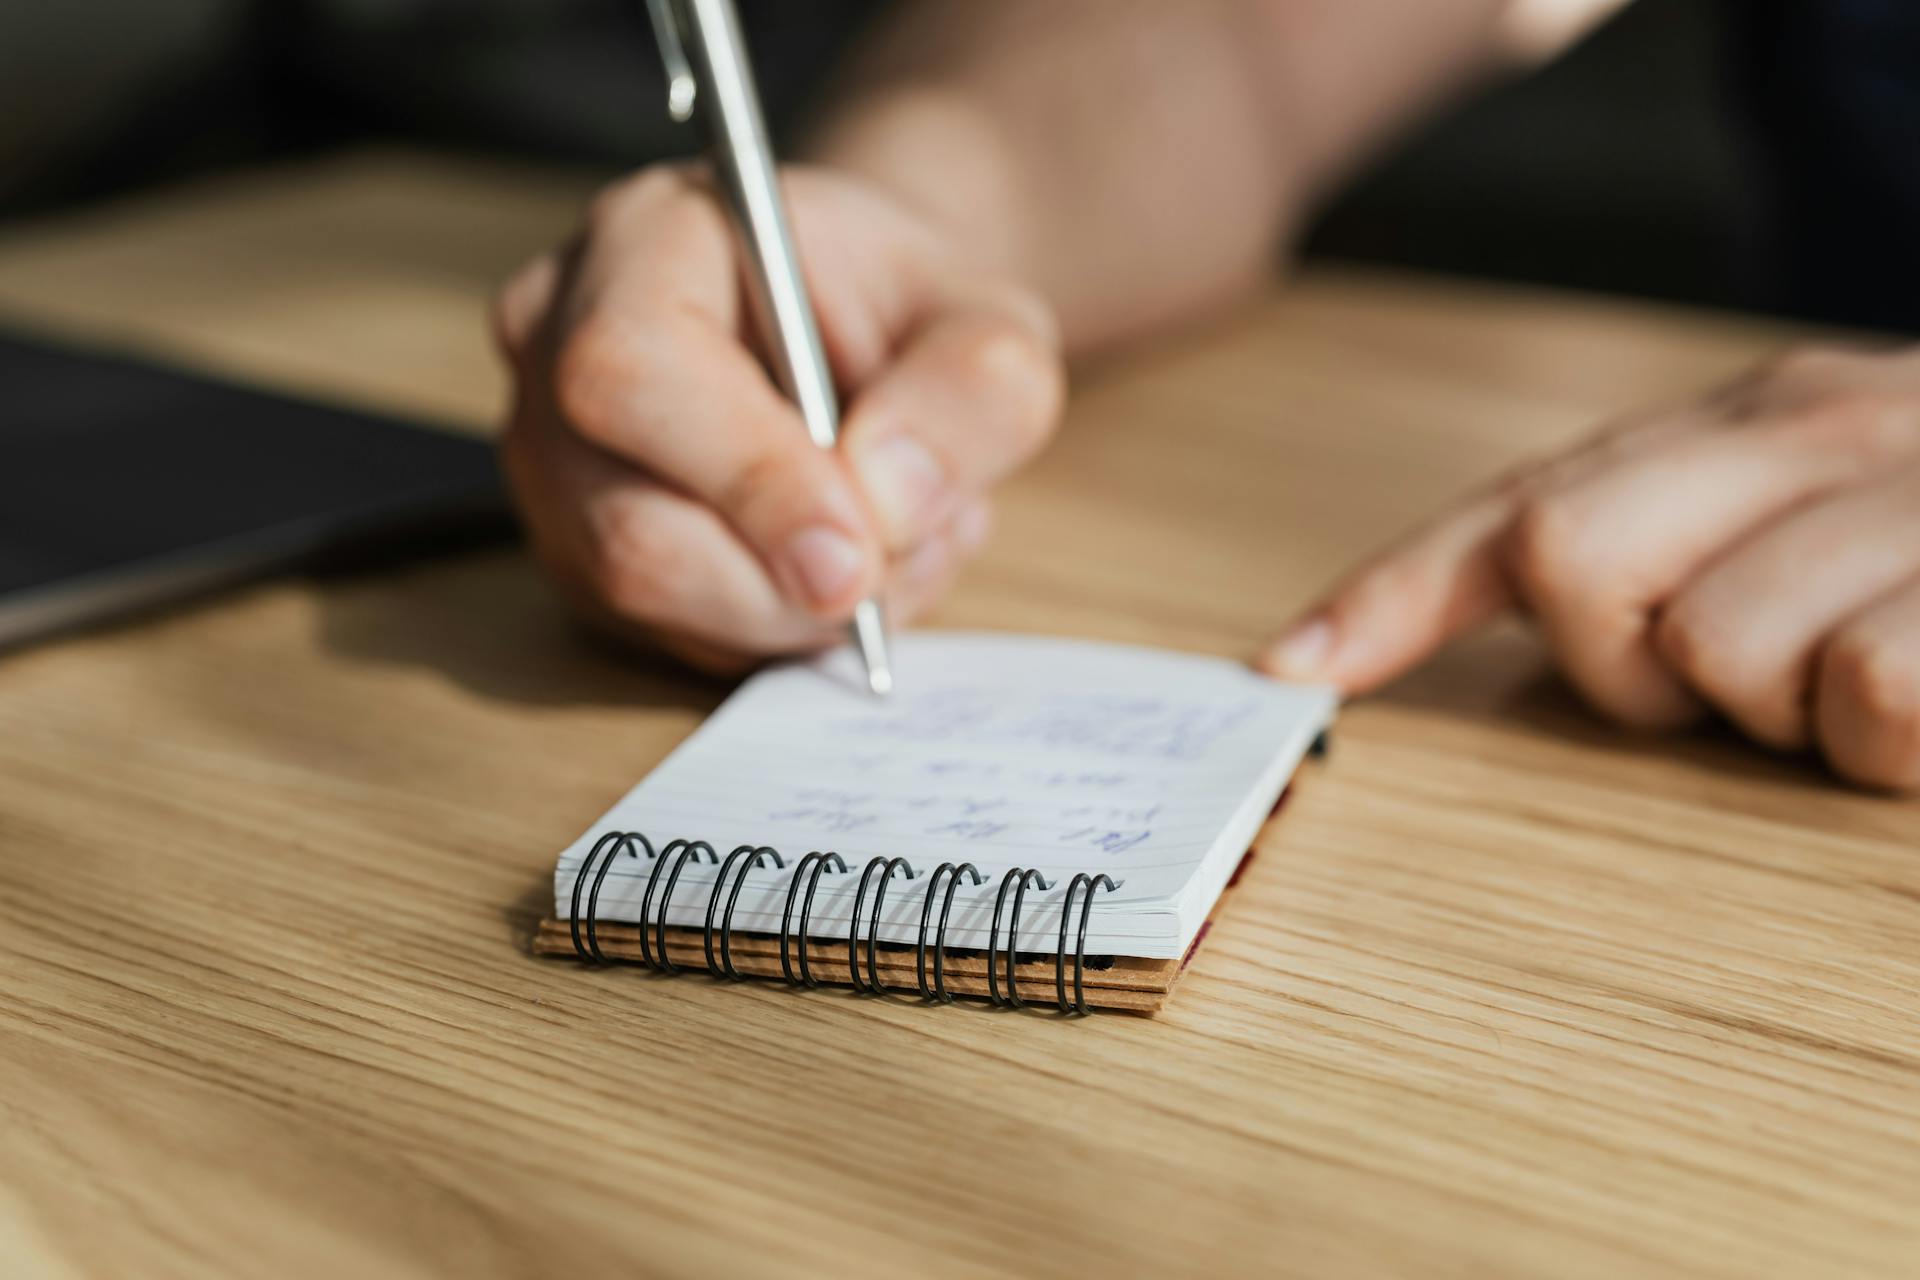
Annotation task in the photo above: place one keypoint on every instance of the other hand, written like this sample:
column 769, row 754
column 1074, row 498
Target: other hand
column 1756, row 552
column 672, row 489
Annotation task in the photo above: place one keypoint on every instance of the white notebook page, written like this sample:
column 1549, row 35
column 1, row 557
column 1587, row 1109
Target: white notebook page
column 1152, row 767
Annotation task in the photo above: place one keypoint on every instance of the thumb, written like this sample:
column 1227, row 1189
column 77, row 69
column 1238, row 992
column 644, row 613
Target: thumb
column 1397, row 609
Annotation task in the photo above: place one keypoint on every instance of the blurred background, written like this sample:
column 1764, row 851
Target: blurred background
column 1674, row 153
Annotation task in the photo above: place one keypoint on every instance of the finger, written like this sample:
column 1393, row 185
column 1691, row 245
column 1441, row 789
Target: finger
column 919, row 579
column 1867, row 693
column 1746, row 631
column 1443, row 579
column 646, row 372
column 644, row 552
column 915, row 582
column 1595, row 557
column 973, row 394
column 658, row 236
column 1402, row 606
column 521, row 303
column 663, row 558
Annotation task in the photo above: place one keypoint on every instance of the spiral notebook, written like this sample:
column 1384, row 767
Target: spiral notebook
column 1032, row 820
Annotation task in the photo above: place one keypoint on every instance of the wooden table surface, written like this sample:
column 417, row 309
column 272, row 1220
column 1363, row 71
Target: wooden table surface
column 1507, row 993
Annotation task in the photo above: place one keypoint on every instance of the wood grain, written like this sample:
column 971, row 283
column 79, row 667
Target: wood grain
column 1510, row 995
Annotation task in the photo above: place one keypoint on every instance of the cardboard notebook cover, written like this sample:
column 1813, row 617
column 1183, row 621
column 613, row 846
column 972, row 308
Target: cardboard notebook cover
column 1127, row 984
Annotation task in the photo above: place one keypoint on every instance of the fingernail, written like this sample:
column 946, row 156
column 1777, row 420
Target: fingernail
column 826, row 562
column 971, row 526
column 1301, row 653
column 905, row 484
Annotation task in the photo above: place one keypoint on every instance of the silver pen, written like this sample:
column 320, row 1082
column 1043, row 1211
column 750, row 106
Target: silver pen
column 706, row 61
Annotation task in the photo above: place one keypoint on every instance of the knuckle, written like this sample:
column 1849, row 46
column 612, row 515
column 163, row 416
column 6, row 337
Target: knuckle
column 608, row 207
column 1685, row 637
column 596, row 366
column 1806, row 364
column 1850, row 417
column 1542, row 548
column 1028, row 375
column 1825, row 397
column 614, row 203
column 757, row 483
column 1708, row 651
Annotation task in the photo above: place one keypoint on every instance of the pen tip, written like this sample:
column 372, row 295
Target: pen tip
column 870, row 635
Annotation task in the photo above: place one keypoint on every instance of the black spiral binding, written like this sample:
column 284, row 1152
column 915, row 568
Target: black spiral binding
column 653, row 944
column 688, row 851
column 939, row 990
column 872, row 985
column 815, row 863
column 1021, row 876
column 613, row 844
column 1091, row 883
column 755, row 857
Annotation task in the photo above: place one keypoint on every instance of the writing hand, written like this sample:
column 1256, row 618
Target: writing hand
column 1757, row 552
column 671, row 488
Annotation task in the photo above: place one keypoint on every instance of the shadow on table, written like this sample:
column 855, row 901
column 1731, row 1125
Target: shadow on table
column 488, row 621
column 522, row 917
column 1505, row 675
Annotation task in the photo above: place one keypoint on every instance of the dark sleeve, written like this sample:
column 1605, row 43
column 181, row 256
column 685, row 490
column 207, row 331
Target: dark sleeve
column 95, row 92
column 559, row 79
column 101, row 94
column 1833, row 92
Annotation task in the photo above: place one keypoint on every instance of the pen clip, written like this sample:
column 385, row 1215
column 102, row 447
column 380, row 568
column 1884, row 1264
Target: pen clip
column 673, row 52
